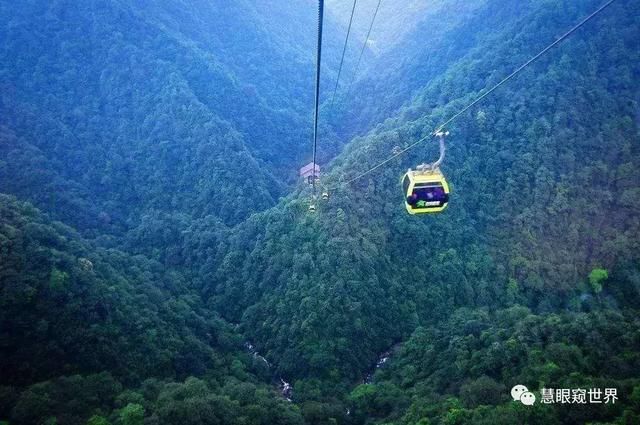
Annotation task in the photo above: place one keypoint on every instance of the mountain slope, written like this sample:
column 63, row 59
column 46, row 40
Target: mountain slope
column 136, row 123
column 322, row 295
column 121, row 329
column 462, row 370
column 152, row 107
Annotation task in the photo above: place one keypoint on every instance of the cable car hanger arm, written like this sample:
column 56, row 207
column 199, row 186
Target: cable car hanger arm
column 436, row 165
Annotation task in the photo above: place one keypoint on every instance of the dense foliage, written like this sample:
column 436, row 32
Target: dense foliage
column 173, row 115
column 91, row 325
column 532, row 213
column 462, row 370
column 153, row 227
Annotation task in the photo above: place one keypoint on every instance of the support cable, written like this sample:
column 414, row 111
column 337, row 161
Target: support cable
column 317, row 91
column 364, row 46
column 344, row 50
column 481, row 97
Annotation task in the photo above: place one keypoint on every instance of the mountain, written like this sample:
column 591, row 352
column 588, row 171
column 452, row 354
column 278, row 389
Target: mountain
column 430, row 37
column 541, row 199
column 479, row 354
column 154, row 107
column 392, row 23
column 154, row 229
column 96, row 332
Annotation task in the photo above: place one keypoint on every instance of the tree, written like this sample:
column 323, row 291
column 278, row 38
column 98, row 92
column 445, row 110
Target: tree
column 132, row 414
column 98, row 420
column 596, row 278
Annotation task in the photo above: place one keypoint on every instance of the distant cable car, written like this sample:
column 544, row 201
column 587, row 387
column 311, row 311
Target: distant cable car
column 426, row 189
column 312, row 207
column 325, row 196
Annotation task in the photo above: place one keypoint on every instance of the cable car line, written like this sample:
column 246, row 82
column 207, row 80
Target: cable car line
column 317, row 94
column 479, row 98
column 364, row 46
column 344, row 50
column 325, row 192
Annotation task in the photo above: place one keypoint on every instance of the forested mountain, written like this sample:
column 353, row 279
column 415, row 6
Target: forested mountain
column 172, row 113
column 154, row 227
column 440, row 32
column 545, row 185
column 92, row 332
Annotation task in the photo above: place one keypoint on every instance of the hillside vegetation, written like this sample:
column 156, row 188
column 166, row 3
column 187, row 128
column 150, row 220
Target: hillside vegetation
column 153, row 228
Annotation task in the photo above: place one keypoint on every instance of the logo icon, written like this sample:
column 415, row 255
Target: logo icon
column 522, row 394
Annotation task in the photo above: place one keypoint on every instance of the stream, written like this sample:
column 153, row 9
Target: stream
column 382, row 360
column 285, row 388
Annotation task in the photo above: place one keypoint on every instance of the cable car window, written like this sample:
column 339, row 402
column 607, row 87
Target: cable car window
column 428, row 197
column 405, row 184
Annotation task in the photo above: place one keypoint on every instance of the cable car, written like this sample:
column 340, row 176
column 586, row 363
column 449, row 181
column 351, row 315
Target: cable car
column 325, row 195
column 426, row 190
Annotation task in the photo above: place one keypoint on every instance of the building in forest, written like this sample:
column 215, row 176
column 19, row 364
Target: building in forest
column 307, row 173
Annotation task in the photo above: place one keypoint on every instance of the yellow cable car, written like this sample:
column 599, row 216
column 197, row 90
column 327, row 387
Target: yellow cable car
column 426, row 190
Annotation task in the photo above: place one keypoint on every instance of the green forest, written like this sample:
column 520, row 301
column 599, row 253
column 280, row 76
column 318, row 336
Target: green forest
column 159, row 264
